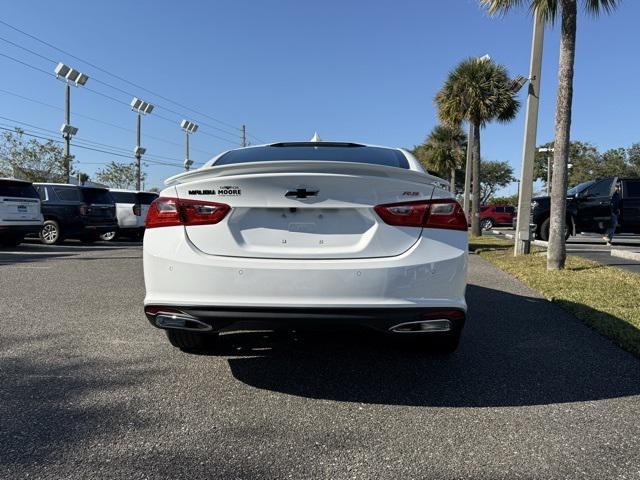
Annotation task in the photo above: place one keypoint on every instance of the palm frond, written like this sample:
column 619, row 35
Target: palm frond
column 477, row 91
column 547, row 9
column 595, row 7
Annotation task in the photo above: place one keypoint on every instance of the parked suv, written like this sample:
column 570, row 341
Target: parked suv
column 496, row 215
column 131, row 209
column 19, row 211
column 71, row 211
column 589, row 207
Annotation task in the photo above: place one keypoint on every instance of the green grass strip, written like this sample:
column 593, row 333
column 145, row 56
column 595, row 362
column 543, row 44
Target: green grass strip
column 605, row 298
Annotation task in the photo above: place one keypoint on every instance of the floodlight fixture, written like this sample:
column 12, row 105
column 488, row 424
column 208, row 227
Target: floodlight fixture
column 485, row 58
column 518, row 82
column 62, row 70
column 188, row 126
column 187, row 163
column 70, row 74
column 68, row 130
column 139, row 151
column 141, row 106
column 545, row 149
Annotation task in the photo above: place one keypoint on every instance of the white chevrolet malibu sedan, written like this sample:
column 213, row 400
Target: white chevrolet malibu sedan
column 306, row 235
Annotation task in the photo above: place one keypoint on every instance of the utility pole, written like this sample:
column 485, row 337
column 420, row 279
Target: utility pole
column 547, row 151
column 523, row 230
column 140, row 107
column 189, row 128
column 244, row 135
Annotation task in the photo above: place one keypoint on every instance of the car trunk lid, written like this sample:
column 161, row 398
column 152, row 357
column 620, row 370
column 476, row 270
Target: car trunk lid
column 303, row 209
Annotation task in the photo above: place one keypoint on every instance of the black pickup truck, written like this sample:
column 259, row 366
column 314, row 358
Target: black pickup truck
column 588, row 208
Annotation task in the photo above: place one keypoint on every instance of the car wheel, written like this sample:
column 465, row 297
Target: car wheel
column 50, row 233
column 544, row 230
column 545, row 227
column 192, row 341
column 108, row 236
column 486, row 224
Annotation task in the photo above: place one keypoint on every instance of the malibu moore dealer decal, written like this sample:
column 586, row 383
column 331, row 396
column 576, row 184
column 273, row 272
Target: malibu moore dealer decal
column 224, row 191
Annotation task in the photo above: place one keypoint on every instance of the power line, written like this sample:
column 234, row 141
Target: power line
column 122, row 79
column 166, row 164
column 87, row 141
column 91, row 145
column 97, row 120
column 96, row 92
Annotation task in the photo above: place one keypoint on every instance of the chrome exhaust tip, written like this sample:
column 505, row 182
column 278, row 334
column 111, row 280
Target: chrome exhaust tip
column 180, row 322
column 423, row 326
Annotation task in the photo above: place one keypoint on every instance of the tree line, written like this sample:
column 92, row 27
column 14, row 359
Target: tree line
column 43, row 161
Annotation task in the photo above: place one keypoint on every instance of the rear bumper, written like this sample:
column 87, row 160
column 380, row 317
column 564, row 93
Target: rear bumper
column 17, row 230
column 97, row 229
column 431, row 274
column 219, row 319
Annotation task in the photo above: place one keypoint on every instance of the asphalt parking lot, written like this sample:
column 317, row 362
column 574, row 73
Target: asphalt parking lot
column 90, row 390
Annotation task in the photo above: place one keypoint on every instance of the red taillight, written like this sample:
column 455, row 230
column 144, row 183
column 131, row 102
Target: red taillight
column 439, row 213
column 137, row 211
column 169, row 212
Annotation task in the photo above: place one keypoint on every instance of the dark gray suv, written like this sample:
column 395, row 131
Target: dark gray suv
column 71, row 211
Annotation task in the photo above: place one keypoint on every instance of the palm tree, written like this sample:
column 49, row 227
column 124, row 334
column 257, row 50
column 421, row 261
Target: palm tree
column 443, row 151
column 548, row 10
column 477, row 91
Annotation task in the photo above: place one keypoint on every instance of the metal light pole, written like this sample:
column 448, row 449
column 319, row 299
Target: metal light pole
column 141, row 108
column 523, row 230
column 69, row 75
column 189, row 128
column 244, row 135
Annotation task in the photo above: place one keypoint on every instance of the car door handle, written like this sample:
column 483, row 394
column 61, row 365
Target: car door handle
column 604, row 203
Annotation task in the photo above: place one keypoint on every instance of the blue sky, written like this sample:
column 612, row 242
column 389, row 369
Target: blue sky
column 352, row 70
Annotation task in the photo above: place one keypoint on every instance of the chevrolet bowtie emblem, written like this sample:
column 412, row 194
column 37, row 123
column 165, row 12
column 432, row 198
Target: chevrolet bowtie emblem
column 301, row 193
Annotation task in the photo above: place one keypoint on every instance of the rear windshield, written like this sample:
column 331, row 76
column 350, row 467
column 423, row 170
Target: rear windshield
column 17, row 189
column 329, row 152
column 146, row 198
column 96, row 195
column 67, row 194
column 124, row 197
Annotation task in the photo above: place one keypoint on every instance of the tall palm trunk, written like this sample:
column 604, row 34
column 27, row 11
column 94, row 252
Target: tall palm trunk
column 452, row 187
column 557, row 252
column 475, row 157
column 467, row 175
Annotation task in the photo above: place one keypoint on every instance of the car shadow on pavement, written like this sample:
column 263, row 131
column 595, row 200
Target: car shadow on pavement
column 515, row 351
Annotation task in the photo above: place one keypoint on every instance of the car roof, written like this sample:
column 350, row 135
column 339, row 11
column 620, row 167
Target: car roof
column 53, row 184
column 14, row 180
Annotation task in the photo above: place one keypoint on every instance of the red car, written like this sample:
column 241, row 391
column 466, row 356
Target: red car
column 496, row 215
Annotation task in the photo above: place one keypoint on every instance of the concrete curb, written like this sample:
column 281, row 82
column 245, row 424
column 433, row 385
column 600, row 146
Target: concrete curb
column 540, row 243
column 627, row 254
